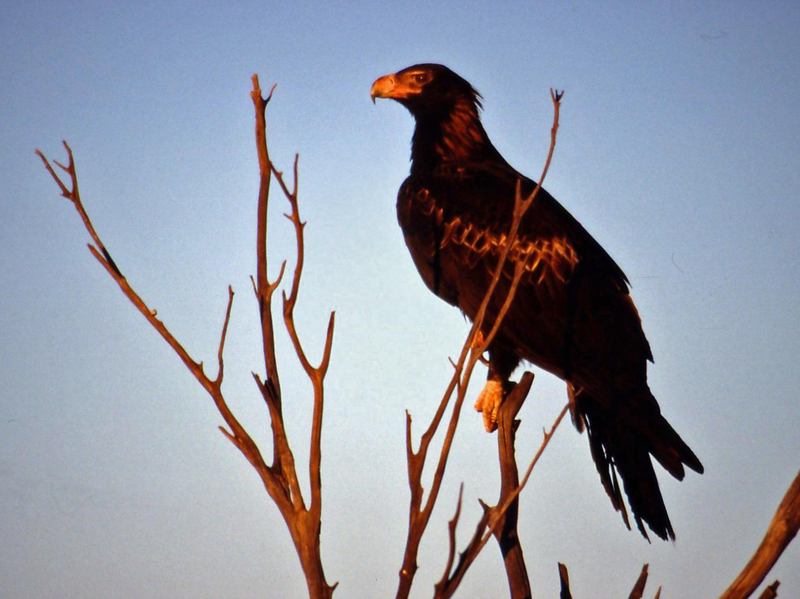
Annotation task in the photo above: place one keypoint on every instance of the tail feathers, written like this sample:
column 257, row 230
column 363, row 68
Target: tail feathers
column 622, row 436
column 669, row 449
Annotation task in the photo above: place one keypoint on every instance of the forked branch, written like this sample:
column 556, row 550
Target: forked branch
column 279, row 478
column 495, row 519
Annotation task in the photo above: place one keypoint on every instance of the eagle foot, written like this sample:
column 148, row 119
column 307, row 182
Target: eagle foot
column 488, row 403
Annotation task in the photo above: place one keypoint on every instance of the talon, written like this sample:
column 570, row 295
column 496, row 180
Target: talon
column 488, row 403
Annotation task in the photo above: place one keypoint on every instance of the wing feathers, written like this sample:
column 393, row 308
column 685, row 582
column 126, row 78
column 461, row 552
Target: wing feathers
column 542, row 257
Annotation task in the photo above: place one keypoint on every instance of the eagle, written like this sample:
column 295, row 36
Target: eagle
column 572, row 314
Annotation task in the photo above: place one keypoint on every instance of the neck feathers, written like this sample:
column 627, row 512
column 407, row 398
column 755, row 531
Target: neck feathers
column 455, row 136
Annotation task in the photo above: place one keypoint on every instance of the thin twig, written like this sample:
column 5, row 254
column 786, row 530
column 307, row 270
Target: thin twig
column 222, row 336
column 452, row 526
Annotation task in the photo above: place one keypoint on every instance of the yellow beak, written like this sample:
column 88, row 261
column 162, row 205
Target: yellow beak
column 384, row 87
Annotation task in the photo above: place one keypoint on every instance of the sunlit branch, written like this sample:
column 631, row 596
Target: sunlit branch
column 782, row 529
column 264, row 289
column 279, row 479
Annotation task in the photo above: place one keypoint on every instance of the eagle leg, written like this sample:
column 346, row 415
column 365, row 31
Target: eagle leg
column 502, row 363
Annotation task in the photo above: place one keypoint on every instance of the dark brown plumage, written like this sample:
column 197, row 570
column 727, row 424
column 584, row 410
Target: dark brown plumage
column 572, row 314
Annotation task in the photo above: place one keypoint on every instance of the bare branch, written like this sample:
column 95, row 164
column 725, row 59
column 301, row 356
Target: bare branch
column 782, row 529
column 641, row 582
column 326, row 351
column 493, row 517
column 771, row 591
column 315, row 374
column 305, row 524
column 563, row 577
column 452, row 525
column 280, row 480
column 505, row 528
column 506, row 531
column 555, row 97
column 230, row 437
column 72, row 193
column 223, row 334
column 263, row 286
column 242, row 440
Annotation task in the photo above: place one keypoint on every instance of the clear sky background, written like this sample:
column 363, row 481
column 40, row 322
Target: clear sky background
column 679, row 151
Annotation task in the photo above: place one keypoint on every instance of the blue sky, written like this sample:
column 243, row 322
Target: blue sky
column 678, row 151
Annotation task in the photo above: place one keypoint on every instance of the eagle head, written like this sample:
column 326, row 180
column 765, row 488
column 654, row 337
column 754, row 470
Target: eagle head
column 425, row 89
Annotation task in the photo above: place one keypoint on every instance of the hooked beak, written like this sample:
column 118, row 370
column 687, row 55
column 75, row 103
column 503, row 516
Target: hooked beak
column 384, row 87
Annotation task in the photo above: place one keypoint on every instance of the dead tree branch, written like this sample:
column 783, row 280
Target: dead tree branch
column 637, row 592
column 771, row 591
column 279, row 478
column 782, row 529
column 505, row 529
column 477, row 342
column 491, row 523
column 641, row 582
column 563, row 577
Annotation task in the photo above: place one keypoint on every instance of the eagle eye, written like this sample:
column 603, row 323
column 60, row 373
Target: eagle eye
column 420, row 77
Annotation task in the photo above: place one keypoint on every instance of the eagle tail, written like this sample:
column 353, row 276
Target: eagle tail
column 622, row 437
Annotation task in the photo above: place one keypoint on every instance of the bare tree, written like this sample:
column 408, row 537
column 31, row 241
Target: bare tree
column 280, row 477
